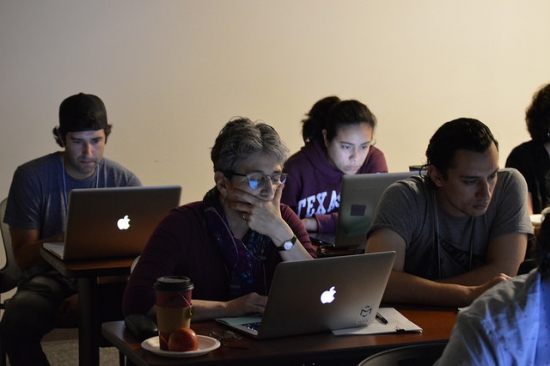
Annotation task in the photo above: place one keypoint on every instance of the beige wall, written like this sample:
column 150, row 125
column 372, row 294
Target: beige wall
column 172, row 72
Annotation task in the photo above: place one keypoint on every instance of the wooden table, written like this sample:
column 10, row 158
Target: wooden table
column 315, row 349
column 88, row 275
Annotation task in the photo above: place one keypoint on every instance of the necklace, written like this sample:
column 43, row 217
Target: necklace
column 65, row 184
column 438, row 242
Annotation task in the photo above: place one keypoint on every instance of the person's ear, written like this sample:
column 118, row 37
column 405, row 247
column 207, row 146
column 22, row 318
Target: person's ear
column 58, row 137
column 324, row 132
column 435, row 175
column 221, row 182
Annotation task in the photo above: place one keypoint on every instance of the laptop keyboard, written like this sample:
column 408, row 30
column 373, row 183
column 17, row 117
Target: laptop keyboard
column 253, row 326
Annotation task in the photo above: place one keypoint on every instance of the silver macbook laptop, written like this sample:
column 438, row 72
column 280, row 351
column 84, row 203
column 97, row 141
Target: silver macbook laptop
column 319, row 295
column 113, row 222
column 359, row 197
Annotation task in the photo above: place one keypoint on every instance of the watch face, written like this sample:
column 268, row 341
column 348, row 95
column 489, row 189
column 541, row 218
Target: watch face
column 288, row 245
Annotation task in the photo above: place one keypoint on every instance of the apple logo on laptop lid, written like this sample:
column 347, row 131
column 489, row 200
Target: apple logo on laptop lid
column 328, row 296
column 123, row 223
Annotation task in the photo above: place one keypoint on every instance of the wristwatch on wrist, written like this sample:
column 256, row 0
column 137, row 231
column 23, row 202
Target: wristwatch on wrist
column 287, row 245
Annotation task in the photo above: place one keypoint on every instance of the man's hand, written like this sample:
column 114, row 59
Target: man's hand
column 478, row 290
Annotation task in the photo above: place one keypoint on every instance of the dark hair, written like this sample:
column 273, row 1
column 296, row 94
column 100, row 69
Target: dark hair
column 459, row 134
column 240, row 139
column 60, row 137
column 537, row 116
column 315, row 121
column 331, row 114
column 542, row 247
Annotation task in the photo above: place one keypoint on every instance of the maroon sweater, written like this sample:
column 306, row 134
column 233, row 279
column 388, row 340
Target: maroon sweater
column 181, row 245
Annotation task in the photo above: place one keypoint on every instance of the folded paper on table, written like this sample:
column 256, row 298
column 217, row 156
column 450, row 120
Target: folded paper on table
column 536, row 220
column 396, row 323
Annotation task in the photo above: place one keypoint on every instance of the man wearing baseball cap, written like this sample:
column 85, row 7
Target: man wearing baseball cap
column 36, row 213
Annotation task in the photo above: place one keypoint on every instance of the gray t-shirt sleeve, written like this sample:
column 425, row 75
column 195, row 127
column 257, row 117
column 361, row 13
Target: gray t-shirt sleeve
column 404, row 209
column 509, row 205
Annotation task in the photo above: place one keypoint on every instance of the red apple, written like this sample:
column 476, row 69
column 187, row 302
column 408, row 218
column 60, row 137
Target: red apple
column 183, row 340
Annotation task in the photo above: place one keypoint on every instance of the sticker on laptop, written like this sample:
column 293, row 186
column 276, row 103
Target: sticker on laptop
column 364, row 314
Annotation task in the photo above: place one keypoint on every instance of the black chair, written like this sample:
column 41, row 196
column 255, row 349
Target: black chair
column 526, row 266
column 9, row 274
column 416, row 355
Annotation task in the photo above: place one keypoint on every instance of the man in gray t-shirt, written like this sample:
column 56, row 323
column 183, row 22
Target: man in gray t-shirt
column 36, row 213
column 458, row 230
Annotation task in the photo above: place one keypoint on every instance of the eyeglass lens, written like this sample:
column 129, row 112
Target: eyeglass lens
column 259, row 180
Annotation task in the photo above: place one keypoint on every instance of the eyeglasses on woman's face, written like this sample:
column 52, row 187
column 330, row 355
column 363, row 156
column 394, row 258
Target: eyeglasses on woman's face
column 259, row 180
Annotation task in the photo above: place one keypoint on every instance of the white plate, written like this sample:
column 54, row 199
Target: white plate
column 206, row 344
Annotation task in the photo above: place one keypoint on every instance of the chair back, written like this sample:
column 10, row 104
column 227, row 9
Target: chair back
column 526, row 266
column 10, row 273
column 416, row 355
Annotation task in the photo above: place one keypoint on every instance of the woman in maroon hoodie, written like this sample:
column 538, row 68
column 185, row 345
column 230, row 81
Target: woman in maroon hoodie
column 338, row 136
